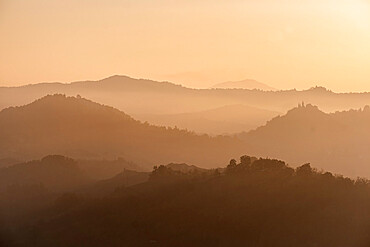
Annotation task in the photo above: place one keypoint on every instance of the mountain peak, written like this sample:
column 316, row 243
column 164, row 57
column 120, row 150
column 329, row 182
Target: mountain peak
column 305, row 110
column 118, row 83
column 249, row 84
column 117, row 77
column 56, row 107
column 60, row 100
column 319, row 89
column 302, row 115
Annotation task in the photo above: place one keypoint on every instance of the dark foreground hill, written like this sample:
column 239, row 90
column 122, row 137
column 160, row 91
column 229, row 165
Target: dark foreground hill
column 338, row 142
column 254, row 203
column 54, row 173
column 59, row 174
column 79, row 128
column 29, row 188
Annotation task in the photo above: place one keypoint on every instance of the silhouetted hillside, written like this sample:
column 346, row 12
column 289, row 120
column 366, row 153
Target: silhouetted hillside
column 80, row 128
column 27, row 189
column 252, row 203
column 245, row 84
column 224, row 120
column 338, row 142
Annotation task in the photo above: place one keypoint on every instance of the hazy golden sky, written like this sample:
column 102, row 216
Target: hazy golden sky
column 286, row 44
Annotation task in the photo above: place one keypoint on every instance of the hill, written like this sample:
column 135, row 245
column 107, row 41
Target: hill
column 245, row 84
column 336, row 142
column 121, row 92
column 223, row 120
column 252, row 203
column 81, row 129
column 53, row 172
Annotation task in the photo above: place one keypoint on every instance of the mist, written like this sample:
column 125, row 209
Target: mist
column 184, row 123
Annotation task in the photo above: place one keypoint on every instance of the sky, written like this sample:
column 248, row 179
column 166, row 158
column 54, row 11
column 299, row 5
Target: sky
column 285, row 44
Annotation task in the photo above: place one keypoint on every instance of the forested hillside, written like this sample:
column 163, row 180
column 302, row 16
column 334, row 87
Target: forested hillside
column 254, row 202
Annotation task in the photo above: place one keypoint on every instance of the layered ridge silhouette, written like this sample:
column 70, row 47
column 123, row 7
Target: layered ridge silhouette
column 82, row 129
column 139, row 96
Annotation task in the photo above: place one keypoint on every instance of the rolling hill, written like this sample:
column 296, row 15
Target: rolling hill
column 338, row 142
column 81, row 129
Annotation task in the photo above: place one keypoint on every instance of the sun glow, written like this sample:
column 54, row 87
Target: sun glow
column 357, row 12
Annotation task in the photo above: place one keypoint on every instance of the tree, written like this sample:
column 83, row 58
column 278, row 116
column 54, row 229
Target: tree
column 232, row 163
column 304, row 170
column 245, row 160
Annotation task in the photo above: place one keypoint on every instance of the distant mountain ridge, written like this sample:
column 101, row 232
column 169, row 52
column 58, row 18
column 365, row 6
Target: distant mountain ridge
column 249, row 84
column 140, row 96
